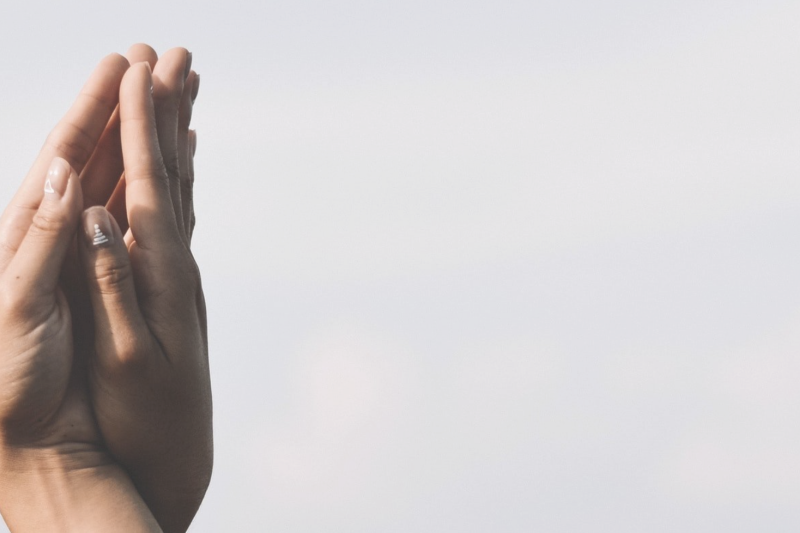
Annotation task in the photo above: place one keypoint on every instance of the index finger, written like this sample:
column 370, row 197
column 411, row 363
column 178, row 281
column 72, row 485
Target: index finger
column 102, row 173
column 74, row 139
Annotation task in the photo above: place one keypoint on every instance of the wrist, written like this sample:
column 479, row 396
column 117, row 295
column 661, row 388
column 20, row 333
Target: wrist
column 69, row 488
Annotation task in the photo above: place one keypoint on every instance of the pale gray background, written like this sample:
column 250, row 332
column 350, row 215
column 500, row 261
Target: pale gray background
column 479, row 266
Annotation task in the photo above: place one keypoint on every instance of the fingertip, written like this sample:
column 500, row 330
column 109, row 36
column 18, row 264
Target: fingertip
column 137, row 69
column 188, row 67
column 62, row 186
column 55, row 184
column 115, row 62
column 179, row 52
column 140, row 52
column 171, row 72
column 139, row 74
column 100, row 230
column 186, row 103
column 191, row 78
column 178, row 56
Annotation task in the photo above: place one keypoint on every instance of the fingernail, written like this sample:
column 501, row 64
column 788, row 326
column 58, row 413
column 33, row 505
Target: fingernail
column 150, row 73
column 193, row 140
column 57, row 177
column 188, row 67
column 97, row 226
column 196, row 88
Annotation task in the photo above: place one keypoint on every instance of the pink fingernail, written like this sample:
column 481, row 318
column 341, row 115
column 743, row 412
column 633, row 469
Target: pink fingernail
column 55, row 184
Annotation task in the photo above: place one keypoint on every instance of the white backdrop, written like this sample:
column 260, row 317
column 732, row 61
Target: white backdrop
column 479, row 266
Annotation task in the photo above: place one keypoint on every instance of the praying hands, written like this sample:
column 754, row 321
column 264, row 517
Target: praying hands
column 105, row 397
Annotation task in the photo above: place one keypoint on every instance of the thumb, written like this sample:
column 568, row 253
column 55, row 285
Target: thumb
column 121, row 333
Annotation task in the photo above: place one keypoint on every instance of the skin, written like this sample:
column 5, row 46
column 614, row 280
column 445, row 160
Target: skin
column 105, row 392
column 55, row 475
column 148, row 306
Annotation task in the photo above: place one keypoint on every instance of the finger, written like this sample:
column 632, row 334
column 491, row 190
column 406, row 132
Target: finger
column 35, row 268
column 73, row 139
column 120, row 328
column 169, row 76
column 103, row 171
column 141, row 52
column 184, row 152
column 189, row 219
column 149, row 207
column 116, row 206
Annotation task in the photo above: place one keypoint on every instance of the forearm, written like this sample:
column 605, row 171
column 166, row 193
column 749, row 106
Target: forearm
column 51, row 490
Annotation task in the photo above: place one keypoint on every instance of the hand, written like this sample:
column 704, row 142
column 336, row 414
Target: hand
column 53, row 466
column 149, row 376
column 42, row 401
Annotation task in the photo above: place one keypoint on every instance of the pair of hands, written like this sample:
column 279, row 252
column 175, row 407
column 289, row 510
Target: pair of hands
column 105, row 397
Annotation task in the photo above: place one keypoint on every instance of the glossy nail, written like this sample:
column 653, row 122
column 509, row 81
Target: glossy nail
column 57, row 177
column 97, row 227
column 149, row 74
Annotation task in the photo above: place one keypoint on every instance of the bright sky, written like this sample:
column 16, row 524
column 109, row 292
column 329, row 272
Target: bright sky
column 479, row 266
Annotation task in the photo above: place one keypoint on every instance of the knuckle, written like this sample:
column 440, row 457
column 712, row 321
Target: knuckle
column 10, row 300
column 113, row 276
column 17, row 304
column 8, row 248
column 100, row 99
column 148, row 171
column 139, row 121
column 71, row 142
column 46, row 223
